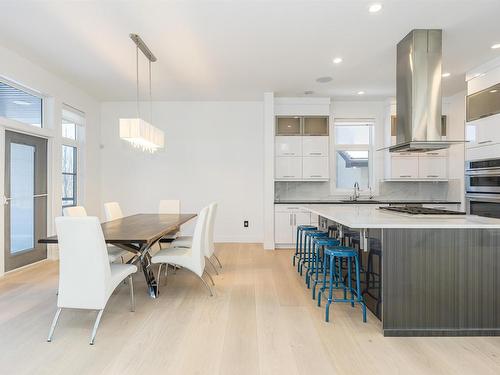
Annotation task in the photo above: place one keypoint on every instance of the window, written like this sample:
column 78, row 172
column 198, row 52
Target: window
column 353, row 154
column 20, row 105
column 69, row 172
column 71, row 129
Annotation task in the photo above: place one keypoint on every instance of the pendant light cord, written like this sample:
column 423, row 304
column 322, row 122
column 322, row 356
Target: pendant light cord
column 150, row 96
column 137, row 80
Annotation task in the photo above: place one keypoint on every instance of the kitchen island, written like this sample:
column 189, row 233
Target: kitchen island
column 437, row 276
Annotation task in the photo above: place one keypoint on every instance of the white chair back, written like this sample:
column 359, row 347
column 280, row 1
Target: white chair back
column 170, row 206
column 199, row 240
column 84, row 271
column 209, row 235
column 112, row 211
column 76, row 211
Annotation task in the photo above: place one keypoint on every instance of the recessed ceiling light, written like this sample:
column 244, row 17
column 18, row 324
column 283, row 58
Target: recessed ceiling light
column 374, row 8
column 337, row 60
column 495, row 46
column 494, row 91
column 361, row 93
column 324, row 79
column 444, row 75
column 21, row 102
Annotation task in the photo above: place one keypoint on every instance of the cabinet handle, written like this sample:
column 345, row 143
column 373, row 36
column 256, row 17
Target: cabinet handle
column 432, row 175
column 292, row 208
column 315, row 153
column 433, row 153
column 315, row 175
column 291, row 221
column 405, row 175
column 288, row 176
column 294, row 219
column 483, row 142
column 289, row 153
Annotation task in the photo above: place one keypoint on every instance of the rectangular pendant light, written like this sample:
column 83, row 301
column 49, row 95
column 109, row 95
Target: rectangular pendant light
column 141, row 134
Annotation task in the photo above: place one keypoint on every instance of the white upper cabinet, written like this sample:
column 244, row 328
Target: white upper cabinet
column 433, row 167
column 315, row 146
column 288, row 146
column 314, row 168
column 404, row 167
column 301, row 148
column 288, row 167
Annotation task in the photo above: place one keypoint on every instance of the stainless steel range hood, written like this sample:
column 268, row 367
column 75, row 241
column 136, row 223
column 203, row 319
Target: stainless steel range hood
column 418, row 93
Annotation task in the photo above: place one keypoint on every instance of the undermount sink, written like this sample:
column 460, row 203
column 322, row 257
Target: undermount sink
column 360, row 201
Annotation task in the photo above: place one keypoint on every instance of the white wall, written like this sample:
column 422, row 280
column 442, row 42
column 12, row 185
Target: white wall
column 16, row 68
column 214, row 152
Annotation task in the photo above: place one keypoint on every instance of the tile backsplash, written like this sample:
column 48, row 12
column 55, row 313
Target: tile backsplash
column 450, row 190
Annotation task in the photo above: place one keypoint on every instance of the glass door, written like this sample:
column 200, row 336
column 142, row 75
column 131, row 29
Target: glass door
column 25, row 199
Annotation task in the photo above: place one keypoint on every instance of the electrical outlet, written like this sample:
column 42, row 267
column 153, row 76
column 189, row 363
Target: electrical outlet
column 245, row 223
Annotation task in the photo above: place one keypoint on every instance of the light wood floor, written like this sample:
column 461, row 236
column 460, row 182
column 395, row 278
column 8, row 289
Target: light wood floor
column 262, row 321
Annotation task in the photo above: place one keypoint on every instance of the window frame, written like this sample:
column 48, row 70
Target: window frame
column 73, row 115
column 370, row 123
column 43, row 108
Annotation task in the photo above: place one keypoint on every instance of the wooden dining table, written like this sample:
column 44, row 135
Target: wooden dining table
column 137, row 234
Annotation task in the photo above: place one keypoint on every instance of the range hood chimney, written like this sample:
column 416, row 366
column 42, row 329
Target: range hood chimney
column 418, row 93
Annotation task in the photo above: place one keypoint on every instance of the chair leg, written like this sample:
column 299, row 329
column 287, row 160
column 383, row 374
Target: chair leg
column 213, row 266
column 208, row 286
column 54, row 323
column 159, row 277
column 210, row 277
column 217, row 259
column 96, row 324
column 132, row 297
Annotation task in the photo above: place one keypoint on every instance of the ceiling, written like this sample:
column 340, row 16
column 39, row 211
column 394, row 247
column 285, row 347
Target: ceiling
column 236, row 50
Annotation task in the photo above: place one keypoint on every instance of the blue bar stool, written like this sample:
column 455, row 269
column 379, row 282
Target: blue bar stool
column 341, row 253
column 298, row 243
column 308, row 237
column 318, row 264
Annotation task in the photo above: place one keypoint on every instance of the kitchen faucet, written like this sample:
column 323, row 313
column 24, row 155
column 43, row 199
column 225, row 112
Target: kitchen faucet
column 356, row 191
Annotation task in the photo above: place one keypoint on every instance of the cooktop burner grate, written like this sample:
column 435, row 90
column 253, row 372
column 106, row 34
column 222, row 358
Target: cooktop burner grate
column 421, row 211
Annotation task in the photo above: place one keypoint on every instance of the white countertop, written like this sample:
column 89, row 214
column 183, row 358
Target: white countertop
column 358, row 216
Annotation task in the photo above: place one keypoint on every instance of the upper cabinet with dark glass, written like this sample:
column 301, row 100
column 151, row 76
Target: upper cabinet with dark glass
column 296, row 125
column 316, row 125
column 483, row 103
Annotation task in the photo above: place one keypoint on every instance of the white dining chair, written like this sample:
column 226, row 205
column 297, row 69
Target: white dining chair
column 173, row 207
column 191, row 258
column 86, row 278
column 113, row 211
column 185, row 241
column 114, row 253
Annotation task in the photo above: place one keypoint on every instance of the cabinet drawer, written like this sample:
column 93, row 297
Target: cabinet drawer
column 315, row 167
column 288, row 167
column 315, row 146
column 288, row 146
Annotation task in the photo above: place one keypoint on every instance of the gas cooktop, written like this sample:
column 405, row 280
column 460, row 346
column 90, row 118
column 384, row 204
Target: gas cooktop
column 410, row 210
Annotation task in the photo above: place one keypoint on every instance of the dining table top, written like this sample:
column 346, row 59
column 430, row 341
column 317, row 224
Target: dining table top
column 137, row 229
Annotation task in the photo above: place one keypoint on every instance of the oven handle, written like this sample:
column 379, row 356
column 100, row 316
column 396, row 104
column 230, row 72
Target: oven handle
column 483, row 197
column 483, row 172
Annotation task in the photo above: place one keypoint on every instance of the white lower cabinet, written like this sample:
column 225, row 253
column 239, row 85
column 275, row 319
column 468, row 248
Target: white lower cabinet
column 288, row 167
column 315, row 167
column 286, row 220
column 432, row 167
